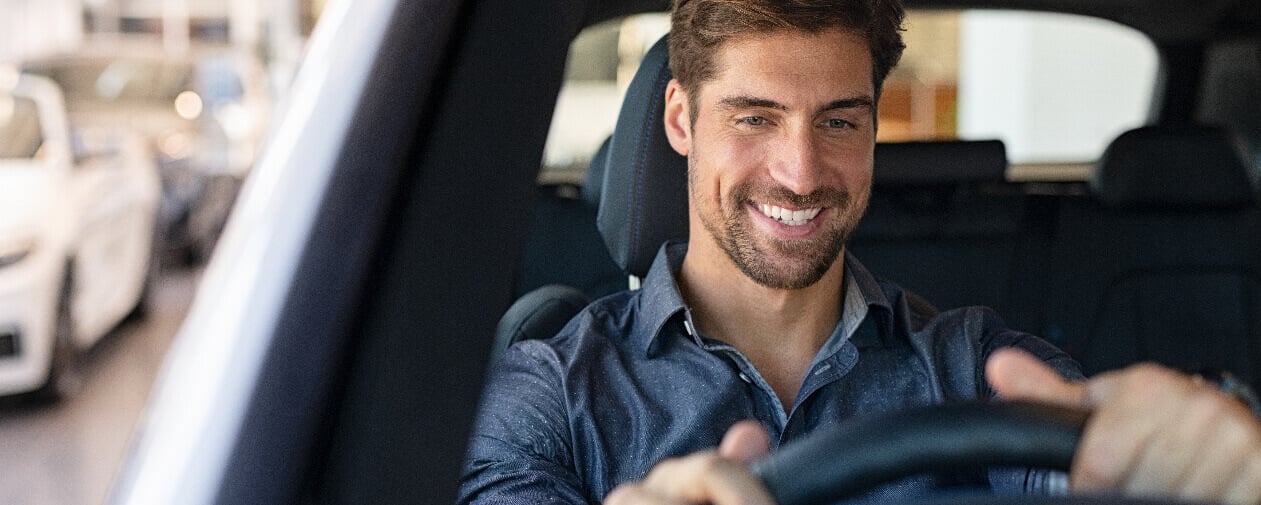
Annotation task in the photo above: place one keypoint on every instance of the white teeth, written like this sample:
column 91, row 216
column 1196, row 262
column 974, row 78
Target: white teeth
column 789, row 217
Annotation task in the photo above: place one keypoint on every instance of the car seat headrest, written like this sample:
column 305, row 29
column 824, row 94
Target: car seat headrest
column 593, row 184
column 1173, row 167
column 929, row 163
column 644, row 199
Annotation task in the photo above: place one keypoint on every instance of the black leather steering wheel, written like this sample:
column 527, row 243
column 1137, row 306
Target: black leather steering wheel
column 881, row 448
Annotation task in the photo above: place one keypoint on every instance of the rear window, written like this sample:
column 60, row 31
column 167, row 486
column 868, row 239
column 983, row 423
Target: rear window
column 21, row 135
column 1055, row 88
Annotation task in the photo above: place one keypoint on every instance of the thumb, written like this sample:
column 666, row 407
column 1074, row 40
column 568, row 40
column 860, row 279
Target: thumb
column 1018, row 375
column 745, row 442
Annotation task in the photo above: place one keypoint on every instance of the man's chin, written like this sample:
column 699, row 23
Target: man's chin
column 786, row 274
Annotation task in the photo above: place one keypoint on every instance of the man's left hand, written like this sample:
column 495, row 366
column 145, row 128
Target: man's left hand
column 1152, row 432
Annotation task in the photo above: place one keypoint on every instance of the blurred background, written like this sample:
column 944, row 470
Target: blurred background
column 128, row 127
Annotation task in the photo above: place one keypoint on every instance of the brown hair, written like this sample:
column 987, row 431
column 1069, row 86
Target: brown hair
column 699, row 27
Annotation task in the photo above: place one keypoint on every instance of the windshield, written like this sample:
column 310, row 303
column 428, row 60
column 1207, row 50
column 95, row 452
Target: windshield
column 20, row 132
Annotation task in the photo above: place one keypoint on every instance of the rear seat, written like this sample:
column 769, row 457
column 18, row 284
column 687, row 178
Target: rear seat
column 1162, row 262
column 943, row 223
column 563, row 245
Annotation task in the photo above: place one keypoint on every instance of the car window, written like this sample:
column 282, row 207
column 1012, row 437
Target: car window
column 21, row 134
column 1055, row 88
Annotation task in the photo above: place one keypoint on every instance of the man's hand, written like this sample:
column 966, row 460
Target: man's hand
column 1153, row 431
column 717, row 477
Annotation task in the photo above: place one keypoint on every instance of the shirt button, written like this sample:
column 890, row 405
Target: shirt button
column 745, row 378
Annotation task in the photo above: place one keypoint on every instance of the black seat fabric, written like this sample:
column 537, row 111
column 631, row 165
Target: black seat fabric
column 564, row 247
column 539, row 314
column 1161, row 264
column 943, row 222
column 564, row 264
column 643, row 168
column 1174, row 167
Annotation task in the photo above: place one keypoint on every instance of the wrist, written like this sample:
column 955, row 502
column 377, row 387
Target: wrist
column 1232, row 386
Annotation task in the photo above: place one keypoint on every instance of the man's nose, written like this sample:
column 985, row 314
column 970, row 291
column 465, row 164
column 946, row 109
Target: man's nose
column 795, row 163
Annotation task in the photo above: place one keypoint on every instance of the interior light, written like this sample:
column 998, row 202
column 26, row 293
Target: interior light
column 188, row 105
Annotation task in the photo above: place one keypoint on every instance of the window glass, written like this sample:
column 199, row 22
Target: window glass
column 602, row 61
column 21, row 135
column 1055, row 88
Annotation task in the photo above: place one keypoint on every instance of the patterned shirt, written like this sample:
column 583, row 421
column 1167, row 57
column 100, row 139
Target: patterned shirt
column 629, row 382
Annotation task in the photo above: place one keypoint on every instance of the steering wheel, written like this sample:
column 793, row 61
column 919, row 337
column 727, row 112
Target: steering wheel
column 881, row 448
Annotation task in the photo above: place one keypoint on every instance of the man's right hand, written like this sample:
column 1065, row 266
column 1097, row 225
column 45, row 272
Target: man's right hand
column 718, row 477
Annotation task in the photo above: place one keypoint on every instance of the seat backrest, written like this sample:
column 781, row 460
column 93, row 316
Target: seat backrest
column 1161, row 262
column 539, row 314
column 943, row 222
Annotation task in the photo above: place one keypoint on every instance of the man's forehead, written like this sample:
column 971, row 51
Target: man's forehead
column 834, row 63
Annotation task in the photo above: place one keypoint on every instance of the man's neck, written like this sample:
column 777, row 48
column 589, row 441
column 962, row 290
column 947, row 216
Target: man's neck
column 779, row 330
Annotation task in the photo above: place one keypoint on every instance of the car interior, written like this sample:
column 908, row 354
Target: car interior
column 432, row 224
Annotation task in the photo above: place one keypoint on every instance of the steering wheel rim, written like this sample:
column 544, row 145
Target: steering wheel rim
column 885, row 447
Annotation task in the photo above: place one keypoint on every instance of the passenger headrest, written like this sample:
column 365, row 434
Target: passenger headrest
column 934, row 163
column 1174, row 167
column 644, row 200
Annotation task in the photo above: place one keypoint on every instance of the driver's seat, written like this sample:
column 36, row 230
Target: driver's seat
column 640, row 167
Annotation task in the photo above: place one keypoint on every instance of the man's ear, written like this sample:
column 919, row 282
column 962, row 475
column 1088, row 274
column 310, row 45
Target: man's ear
column 677, row 121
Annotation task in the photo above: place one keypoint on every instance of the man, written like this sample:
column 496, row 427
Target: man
column 760, row 328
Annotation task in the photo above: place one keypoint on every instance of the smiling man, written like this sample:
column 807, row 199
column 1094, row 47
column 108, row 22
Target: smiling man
column 761, row 329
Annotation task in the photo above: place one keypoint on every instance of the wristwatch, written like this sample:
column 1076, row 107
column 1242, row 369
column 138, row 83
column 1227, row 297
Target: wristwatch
column 1231, row 385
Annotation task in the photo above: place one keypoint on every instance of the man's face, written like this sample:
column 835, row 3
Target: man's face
column 780, row 152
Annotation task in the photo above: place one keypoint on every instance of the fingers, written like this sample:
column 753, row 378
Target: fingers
column 1018, row 375
column 717, row 477
column 1158, row 432
column 745, row 442
column 703, row 477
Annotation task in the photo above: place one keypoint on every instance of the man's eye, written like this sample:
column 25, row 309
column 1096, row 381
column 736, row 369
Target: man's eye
column 839, row 123
column 753, row 120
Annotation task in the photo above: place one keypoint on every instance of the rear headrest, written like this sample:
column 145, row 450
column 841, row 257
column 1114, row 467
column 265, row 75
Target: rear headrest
column 1174, row 167
column 644, row 200
column 933, row 163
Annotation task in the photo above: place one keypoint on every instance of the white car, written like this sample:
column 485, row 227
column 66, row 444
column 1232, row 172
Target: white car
column 203, row 114
column 77, row 218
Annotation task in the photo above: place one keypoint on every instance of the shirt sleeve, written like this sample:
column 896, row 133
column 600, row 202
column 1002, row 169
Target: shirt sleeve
column 519, row 451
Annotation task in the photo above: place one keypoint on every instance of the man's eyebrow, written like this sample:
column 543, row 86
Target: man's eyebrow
column 859, row 102
column 744, row 102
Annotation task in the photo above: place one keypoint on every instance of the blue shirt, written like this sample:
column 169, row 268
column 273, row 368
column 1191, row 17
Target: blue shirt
column 628, row 382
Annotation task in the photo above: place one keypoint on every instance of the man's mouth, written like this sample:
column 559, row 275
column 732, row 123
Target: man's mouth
column 787, row 216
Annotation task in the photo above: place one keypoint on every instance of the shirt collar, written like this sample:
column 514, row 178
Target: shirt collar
column 660, row 301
